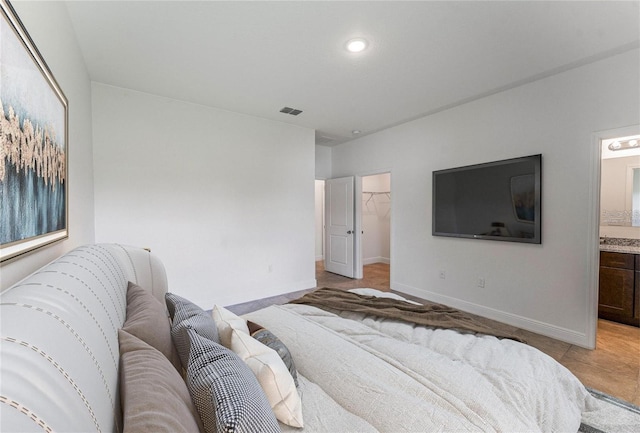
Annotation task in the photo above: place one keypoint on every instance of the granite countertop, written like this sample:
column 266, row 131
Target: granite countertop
column 620, row 245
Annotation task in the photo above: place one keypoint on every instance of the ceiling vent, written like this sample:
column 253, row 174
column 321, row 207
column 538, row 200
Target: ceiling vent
column 323, row 139
column 292, row 111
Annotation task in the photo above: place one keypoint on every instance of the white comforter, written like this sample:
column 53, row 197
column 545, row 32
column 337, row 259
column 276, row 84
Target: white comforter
column 380, row 375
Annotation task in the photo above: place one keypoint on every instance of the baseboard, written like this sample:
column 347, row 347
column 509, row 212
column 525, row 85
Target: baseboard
column 372, row 260
column 319, row 258
column 294, row 287
column 546, row 329
column 252, row 294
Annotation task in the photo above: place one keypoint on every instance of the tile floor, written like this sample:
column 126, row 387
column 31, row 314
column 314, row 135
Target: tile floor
column 613, row 367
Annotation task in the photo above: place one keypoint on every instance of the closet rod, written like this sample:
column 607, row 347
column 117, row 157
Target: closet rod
column 372, row 193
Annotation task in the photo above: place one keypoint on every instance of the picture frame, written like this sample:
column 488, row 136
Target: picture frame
column 34, row 116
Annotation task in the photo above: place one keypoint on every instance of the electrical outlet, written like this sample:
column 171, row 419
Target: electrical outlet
column 480, row 282
column 442, row 275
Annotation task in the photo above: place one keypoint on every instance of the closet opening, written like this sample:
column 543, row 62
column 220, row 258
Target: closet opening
column 375, row 217
column 371, row 231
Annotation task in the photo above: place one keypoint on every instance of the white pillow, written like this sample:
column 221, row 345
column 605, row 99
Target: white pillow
column 226, row 321
column 273, row 376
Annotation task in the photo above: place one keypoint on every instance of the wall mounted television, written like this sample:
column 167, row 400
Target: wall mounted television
column 498, row 201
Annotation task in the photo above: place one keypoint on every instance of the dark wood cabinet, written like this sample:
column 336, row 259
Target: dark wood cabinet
column 636, row 304
column 619, row 290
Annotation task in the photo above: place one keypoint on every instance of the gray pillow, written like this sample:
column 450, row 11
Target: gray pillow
column 154, row 397
column 185, row 313
column 147, row 319
column 267, row 338
column 224, row 390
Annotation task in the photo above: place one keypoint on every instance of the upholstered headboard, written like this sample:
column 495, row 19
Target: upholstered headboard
column 59, row 339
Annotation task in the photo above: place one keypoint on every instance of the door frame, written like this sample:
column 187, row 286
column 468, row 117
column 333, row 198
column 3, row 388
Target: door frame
column 593, row 234
column 322, row 216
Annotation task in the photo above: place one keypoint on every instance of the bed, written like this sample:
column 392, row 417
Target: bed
column 360, row 372
column 86, row 345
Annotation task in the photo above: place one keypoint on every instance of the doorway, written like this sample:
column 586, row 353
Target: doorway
column 619, row 230
column 376, row 219
column 371, row 224
column 607, row 212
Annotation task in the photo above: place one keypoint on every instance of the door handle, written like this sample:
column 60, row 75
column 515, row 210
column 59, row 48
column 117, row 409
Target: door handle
column 349, row 232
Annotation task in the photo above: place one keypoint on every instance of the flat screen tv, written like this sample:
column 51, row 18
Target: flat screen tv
column 497, row 200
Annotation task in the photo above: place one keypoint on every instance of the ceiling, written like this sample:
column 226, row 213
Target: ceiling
column 423, row 56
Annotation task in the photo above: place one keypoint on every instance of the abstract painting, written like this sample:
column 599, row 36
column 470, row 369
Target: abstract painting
column 33, row 145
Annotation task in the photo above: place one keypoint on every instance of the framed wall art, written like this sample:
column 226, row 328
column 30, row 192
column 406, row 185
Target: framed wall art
column 34, row 145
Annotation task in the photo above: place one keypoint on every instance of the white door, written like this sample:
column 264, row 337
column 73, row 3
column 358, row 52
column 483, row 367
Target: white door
column 339, row 221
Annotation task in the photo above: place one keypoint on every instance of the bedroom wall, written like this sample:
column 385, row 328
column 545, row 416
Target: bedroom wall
column 544, row 288
column 226, row 200
column 50, row 28
column 323, row 162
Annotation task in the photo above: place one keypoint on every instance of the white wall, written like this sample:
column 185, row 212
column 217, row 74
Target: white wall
column 376, row 219
column 323, row 162
column 225, row 199
column 544, row 288
column 50, row 28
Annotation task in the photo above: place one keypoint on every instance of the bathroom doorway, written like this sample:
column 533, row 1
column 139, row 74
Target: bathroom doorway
column 603, row 219
column 619, row 230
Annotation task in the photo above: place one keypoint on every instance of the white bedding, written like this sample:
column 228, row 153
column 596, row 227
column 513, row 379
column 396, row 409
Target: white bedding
column 369, row 374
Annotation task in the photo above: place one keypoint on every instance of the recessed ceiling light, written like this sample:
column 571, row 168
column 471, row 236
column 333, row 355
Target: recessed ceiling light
column 356, row 45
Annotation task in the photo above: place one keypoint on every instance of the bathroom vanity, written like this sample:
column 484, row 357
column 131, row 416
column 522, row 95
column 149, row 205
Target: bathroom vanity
column 619, row 291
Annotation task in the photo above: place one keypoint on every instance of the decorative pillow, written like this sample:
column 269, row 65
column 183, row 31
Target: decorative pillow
column 186, row 313
column 154, row 397
column 267, row 338
column 147, row 319
column 224, row 390
column 273, row 376
column 227, row 322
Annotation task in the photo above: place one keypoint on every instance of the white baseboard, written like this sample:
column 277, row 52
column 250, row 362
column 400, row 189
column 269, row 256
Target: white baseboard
column 294, row 287
column 372, row 260
column 546, row 329
column 252, row 294
column 319, row 258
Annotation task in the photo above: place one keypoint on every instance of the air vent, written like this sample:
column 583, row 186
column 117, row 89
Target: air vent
column 323, row 139
column 292, row 111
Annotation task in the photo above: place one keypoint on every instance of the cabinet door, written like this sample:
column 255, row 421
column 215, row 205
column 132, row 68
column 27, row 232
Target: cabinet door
column 616, row 294
column 617, row 260
column 636, row 308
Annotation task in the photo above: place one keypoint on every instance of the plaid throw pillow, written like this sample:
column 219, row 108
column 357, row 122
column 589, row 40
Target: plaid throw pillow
column 185, row 313
column 225, row 392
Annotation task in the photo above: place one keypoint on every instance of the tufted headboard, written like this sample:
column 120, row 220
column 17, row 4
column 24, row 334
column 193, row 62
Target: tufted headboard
column 59, row 339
